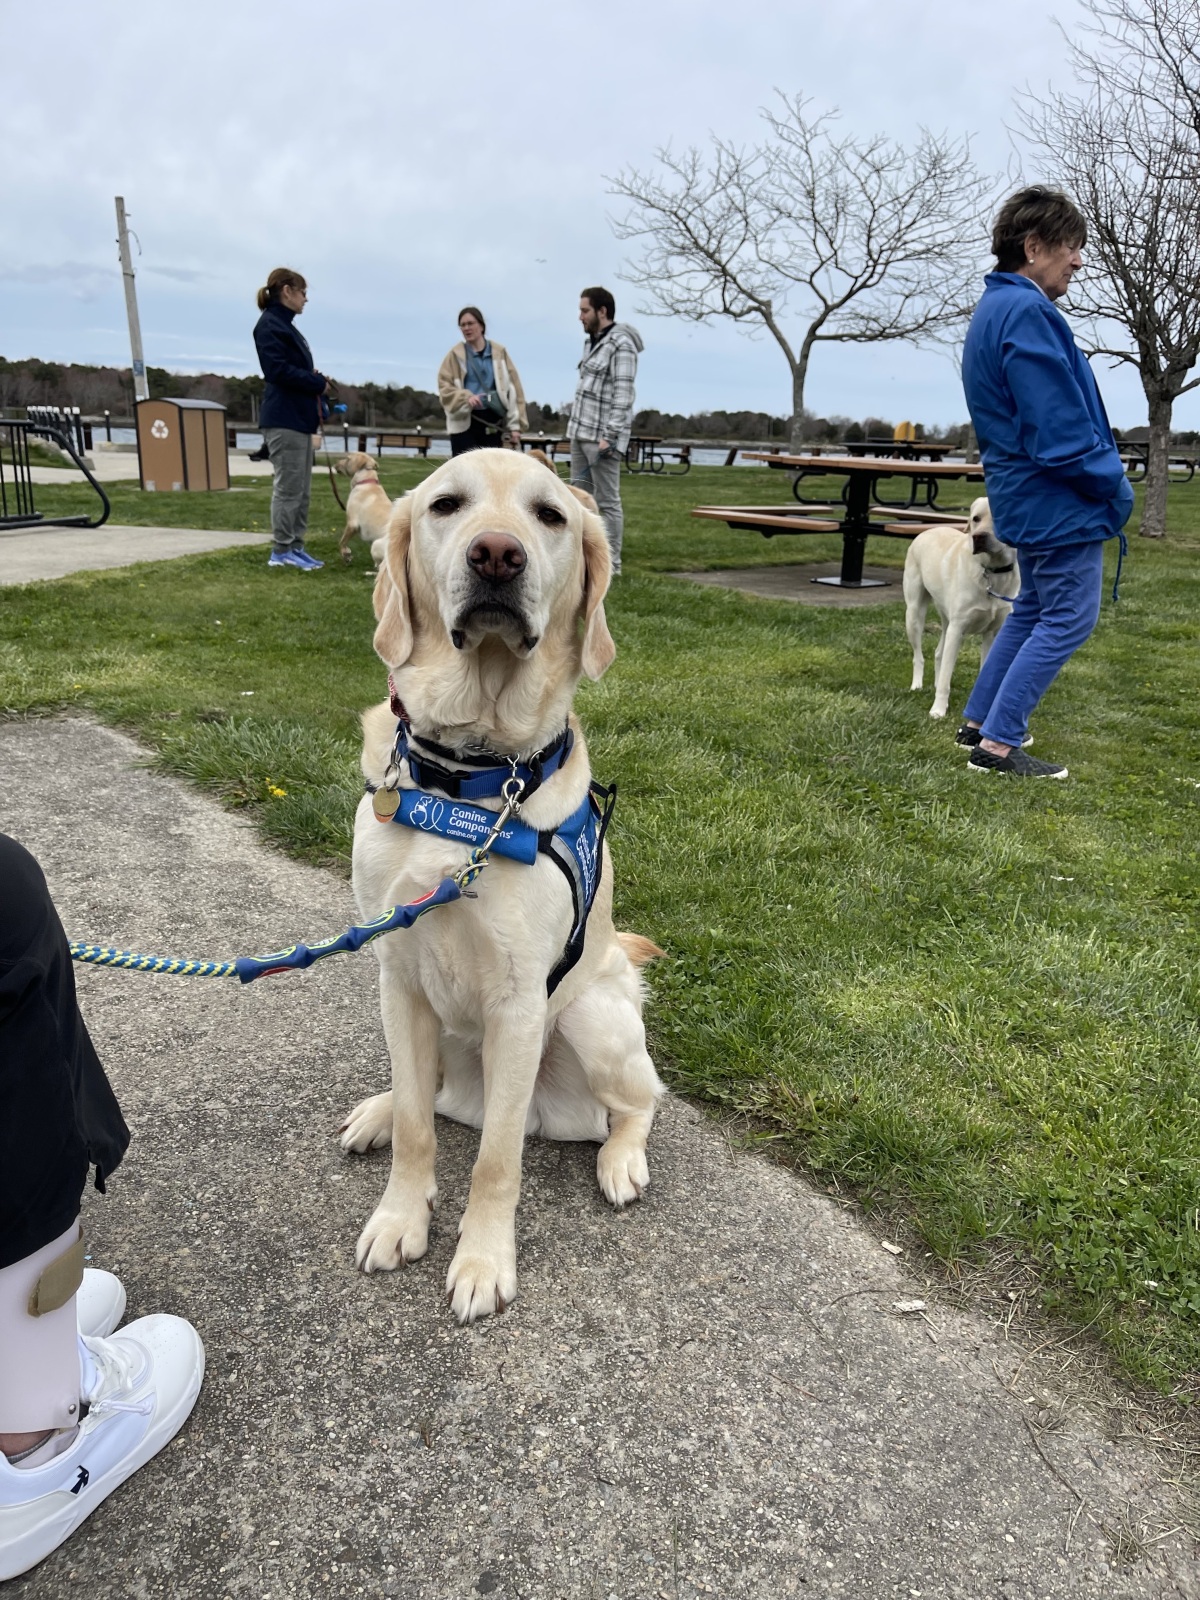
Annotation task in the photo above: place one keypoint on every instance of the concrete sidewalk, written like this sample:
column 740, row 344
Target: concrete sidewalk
column 711, row 1394
column 30, row 554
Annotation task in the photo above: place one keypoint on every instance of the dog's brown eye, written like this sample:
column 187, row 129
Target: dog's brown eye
column 551, row 516
column 446, row 504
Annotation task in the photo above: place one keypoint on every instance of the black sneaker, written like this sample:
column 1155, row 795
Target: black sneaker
column 970, row 737
column 1016, row 764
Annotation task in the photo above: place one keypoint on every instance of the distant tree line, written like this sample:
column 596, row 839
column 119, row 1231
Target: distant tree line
column 98, row 389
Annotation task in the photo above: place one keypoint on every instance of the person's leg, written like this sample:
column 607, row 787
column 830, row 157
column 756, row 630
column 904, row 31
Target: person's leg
column 1018, row 625
column 305, row 491
column 581, row 465
column 1069, row 580
column 291, row 457
column 477, row 437
column 606, row 475
column 59, row 1115
column 77, row 1415
column 39, row 1373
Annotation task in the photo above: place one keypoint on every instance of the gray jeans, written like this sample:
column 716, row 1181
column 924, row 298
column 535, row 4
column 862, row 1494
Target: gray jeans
column 600, row 475
column 292, row 459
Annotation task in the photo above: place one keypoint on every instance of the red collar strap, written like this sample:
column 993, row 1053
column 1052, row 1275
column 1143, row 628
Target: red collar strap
column 397, row 704
column 360, row 477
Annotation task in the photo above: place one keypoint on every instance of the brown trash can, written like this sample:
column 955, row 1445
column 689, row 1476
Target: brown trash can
column 182, row 444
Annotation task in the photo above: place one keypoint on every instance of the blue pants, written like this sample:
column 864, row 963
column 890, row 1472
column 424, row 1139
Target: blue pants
column 1052, row 616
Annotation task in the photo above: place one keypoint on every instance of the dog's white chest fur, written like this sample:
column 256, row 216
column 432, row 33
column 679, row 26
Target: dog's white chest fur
column 470, row 955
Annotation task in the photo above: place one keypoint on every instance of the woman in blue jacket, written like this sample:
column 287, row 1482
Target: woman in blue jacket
column 291, row 413
column 1055, row 482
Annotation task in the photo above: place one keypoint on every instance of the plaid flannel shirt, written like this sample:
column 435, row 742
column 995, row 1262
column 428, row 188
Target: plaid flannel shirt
column 603, row 405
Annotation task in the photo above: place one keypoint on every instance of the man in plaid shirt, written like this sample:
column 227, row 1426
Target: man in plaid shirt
column 602, row 412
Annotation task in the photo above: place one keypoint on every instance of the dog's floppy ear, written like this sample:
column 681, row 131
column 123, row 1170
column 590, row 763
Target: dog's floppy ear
column 599, row 651
column 583, row 497
column 394, row 635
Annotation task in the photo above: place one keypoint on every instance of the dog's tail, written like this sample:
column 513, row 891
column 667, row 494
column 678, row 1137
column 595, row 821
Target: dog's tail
column 640, row 950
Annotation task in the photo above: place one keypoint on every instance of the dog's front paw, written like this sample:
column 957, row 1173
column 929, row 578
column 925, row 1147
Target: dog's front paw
column 482, row 1280
column 369, row 1125
column 622, row 1170
column 397, row 1233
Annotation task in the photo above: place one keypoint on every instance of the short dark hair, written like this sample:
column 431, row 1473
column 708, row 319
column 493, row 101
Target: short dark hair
column 471, row 311
column 600, row 300
column 1051, row 215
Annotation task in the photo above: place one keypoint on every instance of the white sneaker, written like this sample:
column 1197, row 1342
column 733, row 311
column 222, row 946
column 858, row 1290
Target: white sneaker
column 99, row 1303
column 139, row 1388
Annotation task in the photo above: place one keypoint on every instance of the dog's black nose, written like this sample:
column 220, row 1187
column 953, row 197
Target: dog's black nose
column 496, row 556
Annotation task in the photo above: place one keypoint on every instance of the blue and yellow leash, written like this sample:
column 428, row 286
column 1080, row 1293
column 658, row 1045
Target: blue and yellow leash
column 298, row 956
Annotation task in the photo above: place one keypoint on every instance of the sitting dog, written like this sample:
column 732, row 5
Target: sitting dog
column 367, row 505
column 490, row 608
column 972, row 579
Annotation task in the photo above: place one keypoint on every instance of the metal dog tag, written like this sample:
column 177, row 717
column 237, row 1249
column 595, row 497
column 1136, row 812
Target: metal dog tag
column 385, row 803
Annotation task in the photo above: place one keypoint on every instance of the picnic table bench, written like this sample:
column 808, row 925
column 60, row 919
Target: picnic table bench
column 645, row 453
column 551, row 445
column 420, row 442
column 862, row 512
column 1135, row 455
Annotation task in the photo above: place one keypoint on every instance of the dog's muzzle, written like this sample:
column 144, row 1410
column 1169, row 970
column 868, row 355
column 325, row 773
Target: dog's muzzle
column 496, row 565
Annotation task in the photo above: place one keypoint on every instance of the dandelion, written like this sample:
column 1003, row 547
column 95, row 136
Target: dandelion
column 275, row 791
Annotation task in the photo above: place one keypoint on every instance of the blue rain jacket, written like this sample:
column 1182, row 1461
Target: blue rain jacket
column 1053, row 473
column 290, row 399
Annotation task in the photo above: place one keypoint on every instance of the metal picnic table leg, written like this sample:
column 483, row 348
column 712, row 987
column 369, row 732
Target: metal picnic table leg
column 856, row 525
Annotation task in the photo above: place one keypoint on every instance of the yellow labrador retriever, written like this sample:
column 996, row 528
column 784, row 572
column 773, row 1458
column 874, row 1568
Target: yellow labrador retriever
column 368, row 505
column 972, row 579
column 490, row 608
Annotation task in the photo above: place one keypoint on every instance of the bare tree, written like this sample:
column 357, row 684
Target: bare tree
column 872, row 241
column 1151, row 51
column 1127, row 147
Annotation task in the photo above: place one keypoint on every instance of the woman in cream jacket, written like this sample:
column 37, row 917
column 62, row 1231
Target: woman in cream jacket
column 473, row 369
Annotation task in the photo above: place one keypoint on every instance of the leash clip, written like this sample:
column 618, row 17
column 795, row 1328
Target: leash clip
column 513, row 790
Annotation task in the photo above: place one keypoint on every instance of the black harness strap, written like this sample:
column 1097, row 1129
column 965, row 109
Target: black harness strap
column 583, row 893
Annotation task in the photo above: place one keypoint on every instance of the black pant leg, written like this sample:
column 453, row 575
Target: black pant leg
column 58, row 1113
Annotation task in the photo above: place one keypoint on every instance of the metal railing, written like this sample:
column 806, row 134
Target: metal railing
column 66, row 419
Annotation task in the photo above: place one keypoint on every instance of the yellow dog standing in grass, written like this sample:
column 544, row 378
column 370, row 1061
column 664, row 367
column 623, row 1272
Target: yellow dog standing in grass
column 490, row 608
column 368, row 506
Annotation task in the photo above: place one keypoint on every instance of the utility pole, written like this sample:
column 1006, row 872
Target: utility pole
column 141, row 387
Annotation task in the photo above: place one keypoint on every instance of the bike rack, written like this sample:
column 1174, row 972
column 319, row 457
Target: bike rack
column 17, row 508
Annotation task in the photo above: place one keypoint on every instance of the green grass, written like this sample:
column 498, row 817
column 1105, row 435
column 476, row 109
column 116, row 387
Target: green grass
column 972, row 1003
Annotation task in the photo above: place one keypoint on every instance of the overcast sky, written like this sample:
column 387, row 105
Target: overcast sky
column 411, row 158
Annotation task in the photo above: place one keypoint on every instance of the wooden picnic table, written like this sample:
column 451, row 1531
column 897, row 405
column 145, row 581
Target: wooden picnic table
column 904, row 449
column 862, row 512
column 1135, row 455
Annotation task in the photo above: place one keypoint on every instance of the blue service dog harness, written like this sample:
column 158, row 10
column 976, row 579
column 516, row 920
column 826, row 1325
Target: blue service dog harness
column 576, row 848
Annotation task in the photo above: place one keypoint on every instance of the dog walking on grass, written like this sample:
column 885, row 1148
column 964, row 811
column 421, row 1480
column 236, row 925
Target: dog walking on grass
column 972, row 579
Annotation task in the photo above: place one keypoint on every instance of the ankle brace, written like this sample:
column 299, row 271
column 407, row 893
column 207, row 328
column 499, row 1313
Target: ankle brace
column 39, row 1337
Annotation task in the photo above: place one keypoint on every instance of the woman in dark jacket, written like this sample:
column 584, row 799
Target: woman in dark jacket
column 291, row 413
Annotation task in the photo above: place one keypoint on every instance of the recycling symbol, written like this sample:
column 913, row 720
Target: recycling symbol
column 160, row 430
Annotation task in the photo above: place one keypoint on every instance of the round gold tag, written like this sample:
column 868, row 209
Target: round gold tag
column 385, row 803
